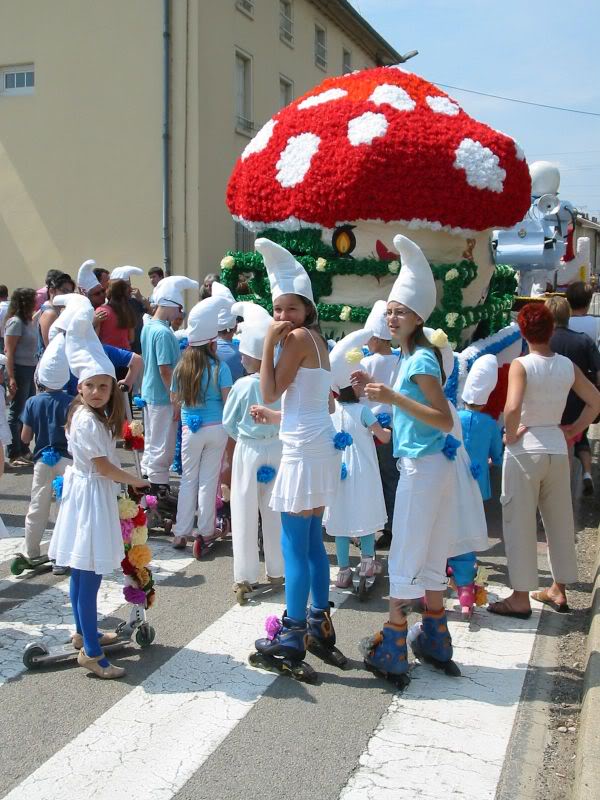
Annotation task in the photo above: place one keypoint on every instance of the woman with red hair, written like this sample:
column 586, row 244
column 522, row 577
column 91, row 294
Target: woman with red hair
column 535, row 472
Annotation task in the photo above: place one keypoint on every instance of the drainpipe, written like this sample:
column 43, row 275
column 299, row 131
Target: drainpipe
column 166, row 154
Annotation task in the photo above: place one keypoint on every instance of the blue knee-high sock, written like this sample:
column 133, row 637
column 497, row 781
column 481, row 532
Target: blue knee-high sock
column 294, row 544
column 318, row 564
column 342, row 551
column 74, row 595
column 87, row 608
column 464, row 568
column 367, row 545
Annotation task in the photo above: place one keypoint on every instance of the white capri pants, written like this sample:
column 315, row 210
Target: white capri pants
column 531, row 481
column 201, row 457
column 248, row 497
column 39, row 506
column 421, row 532
column 160, row 435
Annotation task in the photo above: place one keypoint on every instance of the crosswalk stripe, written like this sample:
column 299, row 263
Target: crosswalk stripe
column 47, row 616
column 447, row 737
column 164, row 729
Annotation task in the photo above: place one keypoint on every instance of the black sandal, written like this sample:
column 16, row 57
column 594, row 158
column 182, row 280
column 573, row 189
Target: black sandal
column 493, row 608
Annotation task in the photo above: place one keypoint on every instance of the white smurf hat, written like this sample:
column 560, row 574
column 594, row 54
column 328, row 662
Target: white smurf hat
column 85, row 353
column 481, row 380
column 414, row 287
column 203, row 320
column 286, row 275
column 169, row 291
column 346, row 356
column 53, row 369
column 86, row 280
column 125, row 273
column 227, row 319
column 257, row 322
column 72, row 304
column 377, row 321
column 439, row 338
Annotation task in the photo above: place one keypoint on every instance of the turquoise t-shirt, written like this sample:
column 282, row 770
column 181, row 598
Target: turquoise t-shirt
column 160, row 348
column 413, row 438
column 211, row 413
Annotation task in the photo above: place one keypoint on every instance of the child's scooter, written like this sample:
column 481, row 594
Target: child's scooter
column 21, row 563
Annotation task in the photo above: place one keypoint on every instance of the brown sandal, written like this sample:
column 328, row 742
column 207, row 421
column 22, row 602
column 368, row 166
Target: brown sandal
column 502, row 609
column 544, row 597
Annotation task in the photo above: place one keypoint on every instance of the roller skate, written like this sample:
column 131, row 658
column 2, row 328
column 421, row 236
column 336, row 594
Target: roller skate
column 369, row 568
column 344, row 578
column 21, row 563
column 386, row 654
column 431, row 642
column 284, row 649
column 321, row 637
column 466, row 598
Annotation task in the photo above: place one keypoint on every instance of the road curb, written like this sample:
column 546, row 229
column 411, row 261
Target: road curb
column 587, row 774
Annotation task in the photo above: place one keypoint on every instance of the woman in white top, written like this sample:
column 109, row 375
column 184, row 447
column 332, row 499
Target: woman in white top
column 535, row 472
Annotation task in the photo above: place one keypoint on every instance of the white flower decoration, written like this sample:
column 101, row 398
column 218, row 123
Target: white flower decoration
column 394, row 267
column 453, row 345
column 321, row 264
column 451, row 275
column 481, row 165
column 228, row 262
column 345, row 314
column 451, row 319
column 354, row 356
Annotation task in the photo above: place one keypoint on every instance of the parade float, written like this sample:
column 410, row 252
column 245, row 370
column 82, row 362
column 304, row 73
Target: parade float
column 335, row 175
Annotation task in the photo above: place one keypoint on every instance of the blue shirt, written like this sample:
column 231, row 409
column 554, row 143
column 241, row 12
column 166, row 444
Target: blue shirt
column 229, row 354
column 236, row 414
column 482, row 440
column 211, row 411
column 160, row 348
column 46, row 415
column 413, row 438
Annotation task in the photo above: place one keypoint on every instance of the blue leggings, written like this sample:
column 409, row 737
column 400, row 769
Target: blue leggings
column 306, row 564
column 83, row 590
column 464, row 568
column 342, row 548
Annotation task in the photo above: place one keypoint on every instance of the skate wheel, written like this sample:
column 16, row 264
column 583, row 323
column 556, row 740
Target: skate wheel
column 18, row 566
column 145, row 635
column 362, row 589
column 198, row 548
column 32, row 655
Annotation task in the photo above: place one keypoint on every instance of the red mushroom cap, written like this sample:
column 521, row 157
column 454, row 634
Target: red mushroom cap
column 380, row 144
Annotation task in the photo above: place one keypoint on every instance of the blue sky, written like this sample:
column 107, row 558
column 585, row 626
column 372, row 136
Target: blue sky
column 547, row 52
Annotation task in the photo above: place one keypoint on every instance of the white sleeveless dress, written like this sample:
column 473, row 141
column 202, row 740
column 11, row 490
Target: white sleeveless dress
column 310, row 470
column 358, row 508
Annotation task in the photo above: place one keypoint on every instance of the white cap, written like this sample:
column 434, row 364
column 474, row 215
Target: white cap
column 481, row 380
column 346, row 356
column 257, row 322
column 439, row 338
column 227, row 320
column 203, row 320
column 53, row 369
column 72, row 304
column 125, row 273
column 377, row 321
column 414, row 287
column 169, row 291
column 85, row 353
column 286, row 275
column 86, row 279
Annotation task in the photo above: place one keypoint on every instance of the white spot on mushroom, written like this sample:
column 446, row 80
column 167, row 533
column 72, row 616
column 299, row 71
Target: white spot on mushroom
column 394, row 96
column 363, row 129
column 481, row 165
column 294, row 161
column 519, row 153
column 323, row 97
column 261, row 140
column 443, row 105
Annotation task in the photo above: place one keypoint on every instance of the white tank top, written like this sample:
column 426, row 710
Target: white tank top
column 549, row 380
column 305, row 405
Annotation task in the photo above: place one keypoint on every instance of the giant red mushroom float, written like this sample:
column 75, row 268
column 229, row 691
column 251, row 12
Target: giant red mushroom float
column 339, row 172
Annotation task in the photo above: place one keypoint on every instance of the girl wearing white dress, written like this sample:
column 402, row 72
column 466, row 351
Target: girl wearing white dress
column 87, row 536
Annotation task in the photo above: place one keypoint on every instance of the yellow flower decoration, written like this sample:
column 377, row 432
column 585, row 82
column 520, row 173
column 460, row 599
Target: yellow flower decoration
column 139, row 535
column 394, row 267
column 345, row 313
column 439, row 339
column 137, row 429
column 354, row 356
column 227, row 262
column 127, row 508
column 142, row 576
column 139, row 556
column 321, row 264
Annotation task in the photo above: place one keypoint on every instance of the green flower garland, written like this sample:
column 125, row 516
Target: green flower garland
column 322, row 262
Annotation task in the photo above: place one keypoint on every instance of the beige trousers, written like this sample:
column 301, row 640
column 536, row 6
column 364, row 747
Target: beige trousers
column 531, row 481
column 39, row 506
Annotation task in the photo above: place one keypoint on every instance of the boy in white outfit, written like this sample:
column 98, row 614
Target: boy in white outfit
column 255, row 462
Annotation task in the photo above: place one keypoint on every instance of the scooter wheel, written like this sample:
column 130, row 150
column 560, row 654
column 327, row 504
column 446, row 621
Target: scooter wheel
column 198, row 548
column 145, row 635
column 18, row 566
column 32, row 653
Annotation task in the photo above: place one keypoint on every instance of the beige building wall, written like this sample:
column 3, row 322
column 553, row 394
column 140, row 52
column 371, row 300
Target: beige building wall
column 81, row 157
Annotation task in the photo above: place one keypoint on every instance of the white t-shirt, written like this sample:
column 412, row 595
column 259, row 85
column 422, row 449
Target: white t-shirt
column 381, row 369
column 587, row 324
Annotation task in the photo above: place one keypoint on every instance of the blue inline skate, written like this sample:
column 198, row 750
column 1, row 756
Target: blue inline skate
column 284, row 649
column 321, row 637
column 386, row 654
column 431, row 642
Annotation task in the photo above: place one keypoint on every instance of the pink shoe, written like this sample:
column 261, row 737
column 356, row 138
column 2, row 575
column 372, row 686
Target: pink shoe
column 370, row 567
column 466, row 598
column 344, row 578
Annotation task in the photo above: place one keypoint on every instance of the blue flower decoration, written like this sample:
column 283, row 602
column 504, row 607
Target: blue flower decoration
column 476, row 470
column 183, row 343
column 265, row 474
column 342, row 440
column 50, row 456
column 138, row 402
column 57, row 486
column 384, row 419
column 450, row 447
column 176, row 466
column 344, row 471
column 193, row 421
